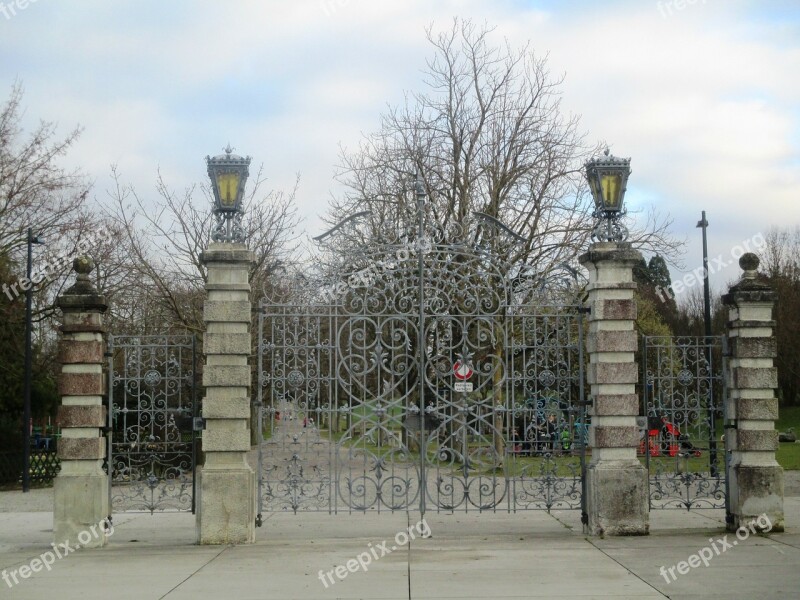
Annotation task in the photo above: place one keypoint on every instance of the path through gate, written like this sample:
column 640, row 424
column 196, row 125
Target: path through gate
column 431, row 384
column 681, row 433
column 152, row 443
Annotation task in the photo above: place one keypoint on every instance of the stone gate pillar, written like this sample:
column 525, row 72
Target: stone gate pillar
column 81, row 488
column 755, row 477
column 617, row 482
column 226, row 484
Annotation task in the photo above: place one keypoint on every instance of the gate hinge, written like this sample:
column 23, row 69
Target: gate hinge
column 585, row 310
column 199, row 424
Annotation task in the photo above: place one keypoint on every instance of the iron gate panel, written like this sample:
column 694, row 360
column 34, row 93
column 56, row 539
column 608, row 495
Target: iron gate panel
column 361, row 409
column 152, row 443
column 684, row 400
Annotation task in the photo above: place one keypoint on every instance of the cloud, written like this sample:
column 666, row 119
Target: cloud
column 705, row 101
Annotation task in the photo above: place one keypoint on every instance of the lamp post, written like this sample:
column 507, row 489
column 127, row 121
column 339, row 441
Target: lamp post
column 26, row 410
column 228, row 173
column 703, row 224
column 608, row 179
column 712, row 436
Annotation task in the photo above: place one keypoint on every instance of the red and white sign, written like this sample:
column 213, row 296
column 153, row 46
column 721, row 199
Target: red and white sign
column 462, row 371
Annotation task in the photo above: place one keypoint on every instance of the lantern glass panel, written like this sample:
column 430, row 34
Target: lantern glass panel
column 228, row 186
column 594, row 187
column 611, row 184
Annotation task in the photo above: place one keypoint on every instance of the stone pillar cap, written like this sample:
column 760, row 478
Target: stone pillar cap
column 749, row 288
column 82, row 295
column 621, row 252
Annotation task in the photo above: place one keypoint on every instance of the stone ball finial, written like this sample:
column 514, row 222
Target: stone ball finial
column 83, row 265
column 749, row 264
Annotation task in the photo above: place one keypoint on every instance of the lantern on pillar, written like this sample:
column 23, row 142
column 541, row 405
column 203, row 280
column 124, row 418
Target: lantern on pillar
column 228, row 173
column 608, row 179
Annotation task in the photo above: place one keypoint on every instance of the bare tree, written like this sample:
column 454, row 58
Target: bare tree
column 35, row 191
column 781, row 265
column 488, row 135
column 156, row 275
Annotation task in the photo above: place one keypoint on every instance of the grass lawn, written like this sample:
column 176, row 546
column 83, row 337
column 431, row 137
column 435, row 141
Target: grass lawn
column 789, row 453
column 789, row 456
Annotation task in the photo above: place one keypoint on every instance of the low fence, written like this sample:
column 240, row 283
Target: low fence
column 43, row 469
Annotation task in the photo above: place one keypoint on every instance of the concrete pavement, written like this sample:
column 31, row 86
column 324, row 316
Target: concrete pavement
column 468, row 556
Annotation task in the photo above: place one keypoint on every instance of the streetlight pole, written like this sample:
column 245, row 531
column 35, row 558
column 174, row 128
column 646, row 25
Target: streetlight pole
column 26, row 411
column 703, row 224
column 712, row 434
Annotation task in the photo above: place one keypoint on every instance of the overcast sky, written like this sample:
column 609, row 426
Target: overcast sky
column 704, row 95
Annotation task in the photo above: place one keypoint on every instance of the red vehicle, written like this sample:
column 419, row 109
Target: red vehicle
column 665, row 439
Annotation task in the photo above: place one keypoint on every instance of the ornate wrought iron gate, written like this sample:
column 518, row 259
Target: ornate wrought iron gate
column 684, row 401
column 152, row 443
column 421, row 382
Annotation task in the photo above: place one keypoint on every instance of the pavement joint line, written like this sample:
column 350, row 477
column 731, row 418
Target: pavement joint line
column 562, row 523
column 200, row 568
column 408, row 552
column 591, row 543
column 769, row 537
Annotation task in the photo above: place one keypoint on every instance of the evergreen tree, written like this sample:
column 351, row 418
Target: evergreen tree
column 659, row 273
column 641, row 273
column 12, row 332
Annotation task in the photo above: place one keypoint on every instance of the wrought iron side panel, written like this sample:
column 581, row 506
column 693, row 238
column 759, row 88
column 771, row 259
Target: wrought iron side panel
column 152, row 398
column 684, row 388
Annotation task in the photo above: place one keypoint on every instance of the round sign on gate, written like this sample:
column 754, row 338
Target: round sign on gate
column 462, row 371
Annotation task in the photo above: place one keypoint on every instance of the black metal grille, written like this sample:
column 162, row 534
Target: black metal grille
column 45, row 465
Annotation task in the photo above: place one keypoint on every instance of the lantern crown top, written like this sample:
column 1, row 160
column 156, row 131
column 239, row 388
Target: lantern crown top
column 229, row 158
column 608, row 160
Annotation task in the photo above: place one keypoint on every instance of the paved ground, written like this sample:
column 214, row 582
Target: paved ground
column 488, row 556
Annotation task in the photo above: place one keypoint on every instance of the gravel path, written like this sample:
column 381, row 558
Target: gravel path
column 37, row 500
